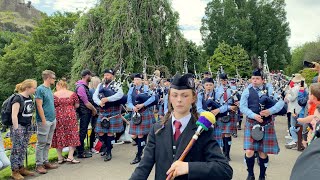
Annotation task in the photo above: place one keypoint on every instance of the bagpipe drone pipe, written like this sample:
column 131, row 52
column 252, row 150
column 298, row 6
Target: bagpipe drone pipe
column 212, row 104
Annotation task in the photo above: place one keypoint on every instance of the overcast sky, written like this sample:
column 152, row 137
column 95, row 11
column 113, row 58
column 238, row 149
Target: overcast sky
column 303, row 16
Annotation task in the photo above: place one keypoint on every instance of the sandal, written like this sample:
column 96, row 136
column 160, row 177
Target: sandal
column 72, row 161
column 61, row 161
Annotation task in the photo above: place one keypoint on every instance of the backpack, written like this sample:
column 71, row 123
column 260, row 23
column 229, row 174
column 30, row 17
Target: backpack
column 6, row 109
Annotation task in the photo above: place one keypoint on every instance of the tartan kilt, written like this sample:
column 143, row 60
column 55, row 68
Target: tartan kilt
column 217, row 134
column 116, row 123
column 269, row 143
column 227, row 128
column 148, row 120
column 234, row 122
column 161, row 110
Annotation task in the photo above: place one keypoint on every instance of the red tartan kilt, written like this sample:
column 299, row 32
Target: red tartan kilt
column 116, row 123
column 144, row 128
column 227, row 128
column 269, row 143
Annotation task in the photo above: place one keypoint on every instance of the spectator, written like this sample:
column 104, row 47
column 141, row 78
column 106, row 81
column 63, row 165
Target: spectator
column 20, row 131
column 46, row 121
column 66, row 133
column 314, row 100
column 95, row 81
column 4, row 161
column 294, row 109
column 85, row 111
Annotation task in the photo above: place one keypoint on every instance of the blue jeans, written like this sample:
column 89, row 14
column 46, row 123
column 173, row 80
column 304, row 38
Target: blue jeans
column 293, row 130
column 4, row 160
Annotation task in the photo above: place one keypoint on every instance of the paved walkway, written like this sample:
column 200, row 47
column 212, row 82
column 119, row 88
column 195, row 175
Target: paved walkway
column 119, row 168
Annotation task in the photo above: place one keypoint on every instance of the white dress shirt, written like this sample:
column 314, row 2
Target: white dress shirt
column 184, row 122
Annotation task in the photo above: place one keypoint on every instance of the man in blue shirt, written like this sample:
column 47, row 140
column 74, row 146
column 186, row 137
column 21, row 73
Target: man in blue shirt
column 46, row 121
column 140, row 131
column 250, row 106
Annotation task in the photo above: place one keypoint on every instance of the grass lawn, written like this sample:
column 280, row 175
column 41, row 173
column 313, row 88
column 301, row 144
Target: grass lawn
column 6, row 173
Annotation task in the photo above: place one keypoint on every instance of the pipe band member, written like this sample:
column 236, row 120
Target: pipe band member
column 168, row 139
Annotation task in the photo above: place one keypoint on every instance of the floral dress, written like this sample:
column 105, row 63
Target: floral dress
column 66, row 132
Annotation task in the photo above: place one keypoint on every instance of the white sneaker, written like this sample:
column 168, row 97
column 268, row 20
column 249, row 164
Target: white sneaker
column 288, row 137
column 291, row 145
column 119, row 142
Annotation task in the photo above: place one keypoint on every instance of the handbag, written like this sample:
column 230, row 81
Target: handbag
column 257, row 132
column 136, row 118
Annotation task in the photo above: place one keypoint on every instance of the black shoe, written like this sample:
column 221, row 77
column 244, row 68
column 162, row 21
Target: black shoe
column 103, row 154
column 251, row 177
column 235, row 135
column 239, row 127
column 136, row 160
column 229, row 159
column 262, row 178
column 108, row 157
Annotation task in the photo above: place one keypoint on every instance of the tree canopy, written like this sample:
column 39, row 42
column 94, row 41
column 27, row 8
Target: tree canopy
column 258, row 25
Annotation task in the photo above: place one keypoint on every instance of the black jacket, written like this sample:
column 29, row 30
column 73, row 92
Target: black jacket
column 205, row 159
column 307, row 165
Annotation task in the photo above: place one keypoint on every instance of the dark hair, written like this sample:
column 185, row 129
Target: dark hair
column 166, row 118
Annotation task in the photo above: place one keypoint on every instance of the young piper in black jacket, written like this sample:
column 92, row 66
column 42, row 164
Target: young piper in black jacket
column 167, row 141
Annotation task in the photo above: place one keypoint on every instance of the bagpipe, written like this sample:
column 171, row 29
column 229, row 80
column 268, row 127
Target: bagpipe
column 267, row 102
column 212, row 104
column 110, row 90
column 143, row 97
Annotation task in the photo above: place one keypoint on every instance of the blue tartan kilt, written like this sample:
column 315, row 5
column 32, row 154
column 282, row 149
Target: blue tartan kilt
column 227, row 128
column 217, row 134
column 269, row 143
column 148, row 120
column 234, row 122
column 116, row 123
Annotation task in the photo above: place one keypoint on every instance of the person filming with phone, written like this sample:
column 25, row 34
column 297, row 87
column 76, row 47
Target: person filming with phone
column 295, row 107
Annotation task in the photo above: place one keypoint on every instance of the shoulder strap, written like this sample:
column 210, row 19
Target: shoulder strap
column 21, row 102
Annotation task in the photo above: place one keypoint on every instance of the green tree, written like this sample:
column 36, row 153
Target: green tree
column 121, row 33
column 309, row 51
column 6, row 38
column 16, row 65
column 257, row 25
column 51, row 45
column 47, row 47
column 230, row 58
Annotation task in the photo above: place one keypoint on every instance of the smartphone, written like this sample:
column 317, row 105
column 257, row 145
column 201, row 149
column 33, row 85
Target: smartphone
column 302, row 84
column 308, row 64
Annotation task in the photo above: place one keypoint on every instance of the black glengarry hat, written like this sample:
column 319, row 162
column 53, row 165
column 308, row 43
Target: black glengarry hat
column 182, row 82
column 110, row 71
column 257, row 72
column 138, row 75
column 223, row 76
column 208, row 80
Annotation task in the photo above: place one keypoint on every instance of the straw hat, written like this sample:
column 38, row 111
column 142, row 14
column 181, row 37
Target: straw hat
column 298, row 78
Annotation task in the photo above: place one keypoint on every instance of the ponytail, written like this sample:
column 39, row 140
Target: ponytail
column 28, row 83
